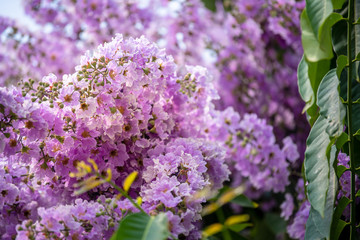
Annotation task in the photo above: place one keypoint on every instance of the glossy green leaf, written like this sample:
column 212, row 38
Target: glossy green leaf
column 337, row 4
column 305, row 88
column 317, row 165
column 336, row 225
column 318, row 226
column 339, row 228
column 325, row 29
column 317, row 12
column 313, row 51
column 317, row 70
column 330, row 103
column 140, row 226
column 341, row 62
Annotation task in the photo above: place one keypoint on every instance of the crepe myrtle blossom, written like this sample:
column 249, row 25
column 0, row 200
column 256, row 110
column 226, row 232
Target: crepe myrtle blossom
column 251, row 143
column 126, row 118
column 128, row 109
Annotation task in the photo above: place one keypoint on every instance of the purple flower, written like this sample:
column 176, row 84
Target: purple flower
column 296, row 229
column 69, row 96
column 287, row 207
column 290, row 149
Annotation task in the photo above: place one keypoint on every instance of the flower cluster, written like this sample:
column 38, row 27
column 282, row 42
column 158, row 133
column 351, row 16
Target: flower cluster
column 258, row 63
column 175, row 173
column 81, row 219
column 126, row 109
column 22, row 192
column 252, row 147
column 253, row 54
column 28, row 54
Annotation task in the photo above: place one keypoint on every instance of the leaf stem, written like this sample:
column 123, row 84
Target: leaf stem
column 349, row 120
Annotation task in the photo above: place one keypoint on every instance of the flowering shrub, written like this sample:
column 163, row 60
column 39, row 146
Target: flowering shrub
column 254, row 59
column 127, row 110
column 136, row 137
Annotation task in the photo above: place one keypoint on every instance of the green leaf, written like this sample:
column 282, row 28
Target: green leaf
column 143, row 227
column 336, row 226
column 318, row 226
column 7, row 135
column 316, row 71
column 340, row 170
column 312, row 49
column 325, row 29
column 317, row 165
column 305, row 88
column 239, row 227
column 210, row 4
column 339, row 228
column 357, row 194
column 243, row 201
column 316, row 36
column 330, row 103
column 340, row 141
column 317, row 12
column 357, row 134
column 313, row 119
column 341, row 62
column 337, row 4
column 339, row 38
